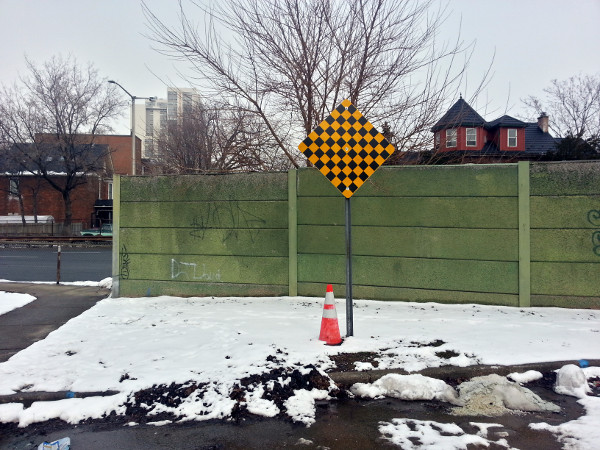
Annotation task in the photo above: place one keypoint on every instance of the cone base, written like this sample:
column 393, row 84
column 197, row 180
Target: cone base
column 330, row 332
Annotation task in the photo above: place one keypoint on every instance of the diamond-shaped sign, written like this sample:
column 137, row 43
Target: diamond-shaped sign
column 346, row 148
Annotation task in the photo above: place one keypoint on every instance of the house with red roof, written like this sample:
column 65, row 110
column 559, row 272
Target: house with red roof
column 464, row 135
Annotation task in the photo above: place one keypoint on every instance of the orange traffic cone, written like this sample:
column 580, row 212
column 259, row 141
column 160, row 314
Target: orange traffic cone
column 330, row 329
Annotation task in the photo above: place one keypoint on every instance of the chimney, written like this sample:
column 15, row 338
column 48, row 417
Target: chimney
column 543, row 122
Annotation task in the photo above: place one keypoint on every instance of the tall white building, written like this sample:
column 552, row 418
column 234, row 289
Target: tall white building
column 149, row 119
column 180, row 101
column 153, row 115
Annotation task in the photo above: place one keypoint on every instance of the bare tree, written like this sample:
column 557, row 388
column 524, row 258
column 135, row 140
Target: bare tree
column 215, row 138
column 290, row 62
column 574, row 106
column 51, row 120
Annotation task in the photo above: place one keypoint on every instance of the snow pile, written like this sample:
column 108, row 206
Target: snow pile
column 493, row 395
column 411, row 434
column 490, row 395
column 407, row 387
column 571, row 380
column 9, row 302
column 525, row 377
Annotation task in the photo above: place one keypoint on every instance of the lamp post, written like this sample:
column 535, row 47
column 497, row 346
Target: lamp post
column 133, row 99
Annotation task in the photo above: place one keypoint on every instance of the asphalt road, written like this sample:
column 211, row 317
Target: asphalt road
column 39, row 264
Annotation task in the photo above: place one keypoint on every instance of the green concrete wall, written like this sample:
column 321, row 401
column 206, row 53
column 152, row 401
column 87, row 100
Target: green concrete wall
column 446, row 233
column 565, row 234
column 507, row 234
column 203, row 235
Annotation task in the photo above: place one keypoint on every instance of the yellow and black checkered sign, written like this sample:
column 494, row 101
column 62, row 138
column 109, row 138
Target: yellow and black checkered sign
column 346, row 148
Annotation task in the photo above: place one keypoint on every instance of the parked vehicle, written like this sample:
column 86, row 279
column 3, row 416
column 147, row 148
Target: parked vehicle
column 105, row 230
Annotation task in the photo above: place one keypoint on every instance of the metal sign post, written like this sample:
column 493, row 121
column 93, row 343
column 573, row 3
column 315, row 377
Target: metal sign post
column 347, row 149
column 349, row 305
column 58, row 266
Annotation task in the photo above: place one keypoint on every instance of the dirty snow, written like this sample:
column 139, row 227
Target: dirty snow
column 493, row 395
column 131, row 344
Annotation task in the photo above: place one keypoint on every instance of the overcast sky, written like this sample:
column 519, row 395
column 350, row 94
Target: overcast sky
column 535, row 41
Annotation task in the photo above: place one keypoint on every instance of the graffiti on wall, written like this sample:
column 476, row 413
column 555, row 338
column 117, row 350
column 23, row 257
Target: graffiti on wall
column 593, row 217
column 231, row 217
column 191, row 270
column 124, row 263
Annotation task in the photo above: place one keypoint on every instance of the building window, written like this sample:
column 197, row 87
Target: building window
column 451, row 138
column 110, row 191
column 471, row 137
column 149, row 122
column 437, row 140
column 512, row 137
column 13, row 188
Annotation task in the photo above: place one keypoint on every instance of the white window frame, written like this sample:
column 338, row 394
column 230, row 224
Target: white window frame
column 473, row 141
column 451, row 142
column 110, row 190
column 510, row 138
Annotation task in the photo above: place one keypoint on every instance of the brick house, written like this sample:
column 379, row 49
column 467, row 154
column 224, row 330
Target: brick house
column 91, row 201
column 464, row 135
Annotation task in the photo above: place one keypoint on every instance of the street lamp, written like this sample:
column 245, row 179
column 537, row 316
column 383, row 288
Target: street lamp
column 133, row 99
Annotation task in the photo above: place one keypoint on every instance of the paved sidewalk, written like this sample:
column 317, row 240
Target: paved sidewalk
column 55, row 305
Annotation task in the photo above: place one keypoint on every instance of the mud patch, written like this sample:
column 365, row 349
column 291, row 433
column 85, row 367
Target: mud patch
column 346, row 362
column 164, row 402
column 594, row 384
column 447, row 354
column 278, row 386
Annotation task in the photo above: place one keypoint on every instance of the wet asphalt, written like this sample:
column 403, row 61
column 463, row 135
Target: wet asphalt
column 55, row 305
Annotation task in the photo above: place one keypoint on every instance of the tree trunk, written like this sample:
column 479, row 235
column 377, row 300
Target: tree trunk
column 22, row 208
column 68, row 212
column 34, row 194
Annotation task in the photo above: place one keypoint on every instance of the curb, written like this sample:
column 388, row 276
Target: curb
column 342, row 379
column 30, row 397
column 346, row 379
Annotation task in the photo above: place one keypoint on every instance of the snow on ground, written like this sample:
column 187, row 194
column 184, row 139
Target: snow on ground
column 11, row 301
column 105, row 283
column 212, row 348
column 412, row 434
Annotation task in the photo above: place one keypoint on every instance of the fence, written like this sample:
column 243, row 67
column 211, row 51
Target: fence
column 38, row 229
column 509, row 234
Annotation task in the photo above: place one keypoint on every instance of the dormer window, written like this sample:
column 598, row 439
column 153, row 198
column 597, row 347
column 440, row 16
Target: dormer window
column 471, row 137
column 451, row 138
column 512, row 137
